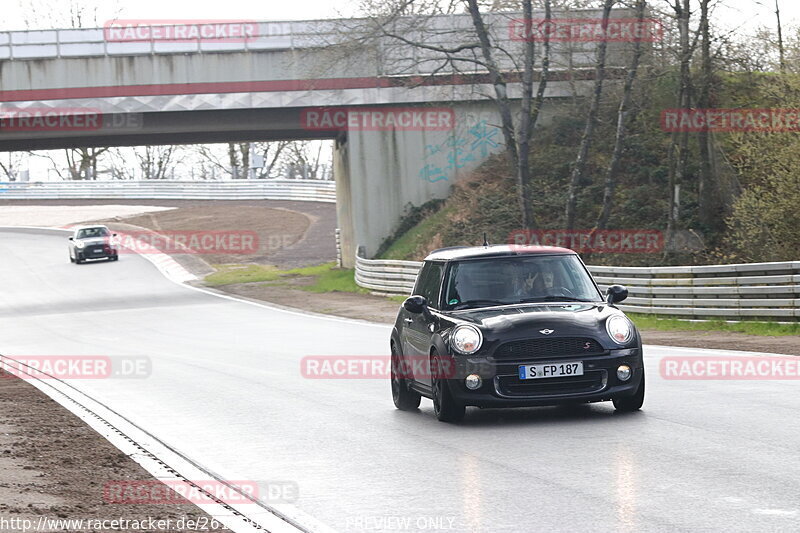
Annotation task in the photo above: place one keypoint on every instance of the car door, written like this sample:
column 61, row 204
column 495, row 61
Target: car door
column 418, row 326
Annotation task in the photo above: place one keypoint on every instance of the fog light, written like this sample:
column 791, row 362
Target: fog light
column 473, row 381
column 624, row 372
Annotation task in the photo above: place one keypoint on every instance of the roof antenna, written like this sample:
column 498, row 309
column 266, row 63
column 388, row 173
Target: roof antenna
column 485, row 240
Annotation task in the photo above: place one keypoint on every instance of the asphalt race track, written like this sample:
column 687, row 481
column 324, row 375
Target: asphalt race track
column 226, row 390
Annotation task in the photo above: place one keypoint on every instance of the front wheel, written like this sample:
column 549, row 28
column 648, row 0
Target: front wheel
column 404, row 398
column 627, row 404
column 445, row 407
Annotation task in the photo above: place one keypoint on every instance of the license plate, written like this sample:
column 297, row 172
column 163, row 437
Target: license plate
column 551, row 370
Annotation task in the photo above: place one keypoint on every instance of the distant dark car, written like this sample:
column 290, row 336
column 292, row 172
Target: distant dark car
column 92, row 242
column 511, row 326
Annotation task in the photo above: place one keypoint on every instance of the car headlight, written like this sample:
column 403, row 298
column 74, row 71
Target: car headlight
column 79, row 244
column 467, row 339
column 619, row 329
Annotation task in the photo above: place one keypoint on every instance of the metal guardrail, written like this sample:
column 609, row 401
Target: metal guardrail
column 386, row 277
column 305, row 190
column 750, row 290
column 765, row 290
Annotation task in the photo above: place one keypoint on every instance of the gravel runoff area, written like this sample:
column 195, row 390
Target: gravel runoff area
column 65, row 215
column 290, row 233
column 55, row 468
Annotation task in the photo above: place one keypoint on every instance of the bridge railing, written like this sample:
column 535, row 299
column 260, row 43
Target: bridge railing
column 398, row 56
column 306, row 190
column 735, row 292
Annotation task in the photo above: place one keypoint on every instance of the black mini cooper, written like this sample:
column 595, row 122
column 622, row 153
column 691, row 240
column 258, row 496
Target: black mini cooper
column 513, row 326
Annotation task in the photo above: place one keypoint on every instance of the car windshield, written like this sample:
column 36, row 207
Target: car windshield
column 485, row 282
column 88, row 233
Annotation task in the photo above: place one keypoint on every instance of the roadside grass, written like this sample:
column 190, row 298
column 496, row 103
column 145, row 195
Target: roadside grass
column 327, row 278
column 748, row 327
column 227, row 274
column 332, row 279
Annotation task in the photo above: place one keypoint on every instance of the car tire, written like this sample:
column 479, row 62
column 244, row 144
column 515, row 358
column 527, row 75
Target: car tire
column 404, row 398
column 71, row 259
column 78, row 259
column 445, row 407
column 628, row 404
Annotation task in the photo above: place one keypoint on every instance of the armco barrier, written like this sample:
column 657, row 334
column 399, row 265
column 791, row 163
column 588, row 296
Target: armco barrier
column 305, row 190
column 389, row 277
column 741, row 291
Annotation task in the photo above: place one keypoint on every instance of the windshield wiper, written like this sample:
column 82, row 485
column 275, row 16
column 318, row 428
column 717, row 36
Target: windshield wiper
column 553, row 298
column 477, row 303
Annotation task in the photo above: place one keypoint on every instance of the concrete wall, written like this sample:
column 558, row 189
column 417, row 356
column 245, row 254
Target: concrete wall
column 379, row 174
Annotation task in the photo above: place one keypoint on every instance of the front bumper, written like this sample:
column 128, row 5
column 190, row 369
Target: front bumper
column 95, row 252
column 502, row 387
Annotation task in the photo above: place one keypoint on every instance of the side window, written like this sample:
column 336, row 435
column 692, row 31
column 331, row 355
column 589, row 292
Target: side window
column 428, row 283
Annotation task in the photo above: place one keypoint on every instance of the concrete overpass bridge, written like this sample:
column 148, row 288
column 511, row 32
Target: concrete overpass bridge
column 265, row 81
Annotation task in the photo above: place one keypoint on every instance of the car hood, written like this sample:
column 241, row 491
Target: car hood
column 529, row 320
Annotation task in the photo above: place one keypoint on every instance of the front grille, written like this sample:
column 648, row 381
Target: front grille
column 548, row 348
column 96, row 249
column 591, row 381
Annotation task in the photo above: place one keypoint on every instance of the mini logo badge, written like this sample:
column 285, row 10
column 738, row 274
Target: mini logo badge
column 546, row 331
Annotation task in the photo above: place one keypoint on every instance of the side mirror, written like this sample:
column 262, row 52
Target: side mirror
column 70, row 238
column 415, row 304
column 113, row 234
column 616, row 294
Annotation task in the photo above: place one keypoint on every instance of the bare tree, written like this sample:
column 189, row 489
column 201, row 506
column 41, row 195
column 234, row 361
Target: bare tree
column 478, row 51
column 622, row 129
column 235, row 160
column 678, row 155
column 705, row 185
column 150, row 162
column 11, row 166
column 304, row 160
column 40, row 14
column 588, row 133
column 82, row 162
column 271, row 153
